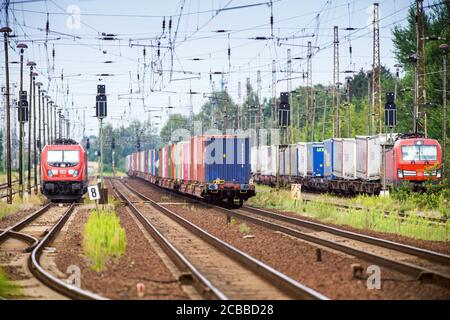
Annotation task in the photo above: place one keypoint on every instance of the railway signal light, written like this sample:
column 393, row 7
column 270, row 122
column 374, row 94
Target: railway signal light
column 113, row 143
column 390, row 111
column 88, row 145
column 23, row 107
column 100, row 105
column 284, row 110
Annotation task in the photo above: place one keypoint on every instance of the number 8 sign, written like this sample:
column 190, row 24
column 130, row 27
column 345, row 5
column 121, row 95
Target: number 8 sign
column 94, row 193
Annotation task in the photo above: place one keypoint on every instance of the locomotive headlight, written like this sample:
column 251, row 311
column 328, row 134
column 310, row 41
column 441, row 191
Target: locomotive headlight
column 400, row 173
column 438, row 173
column 49, row 173
column 75, row 173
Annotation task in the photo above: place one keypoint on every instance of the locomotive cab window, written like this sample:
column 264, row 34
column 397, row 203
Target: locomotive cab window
column 419, row 153
column 63, row 158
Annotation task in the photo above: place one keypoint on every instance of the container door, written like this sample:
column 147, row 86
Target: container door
column 318, row 161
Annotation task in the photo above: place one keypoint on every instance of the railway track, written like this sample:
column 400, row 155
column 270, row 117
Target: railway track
column 38, row 230
column 421, row 264
column 402, row 215
column 217, row 268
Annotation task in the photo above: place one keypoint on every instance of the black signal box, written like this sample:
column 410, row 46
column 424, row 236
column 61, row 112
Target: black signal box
column 284, row 97
column 390, row 115
column 390, row 97
column 100, row 106
column 101, row 89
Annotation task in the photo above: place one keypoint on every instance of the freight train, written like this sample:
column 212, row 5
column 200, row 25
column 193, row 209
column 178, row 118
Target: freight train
column 214, row 167
column 349, row 165
column 64, row 170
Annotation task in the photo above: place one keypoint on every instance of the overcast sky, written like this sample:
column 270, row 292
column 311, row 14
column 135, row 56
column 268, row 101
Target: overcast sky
column 81, row 56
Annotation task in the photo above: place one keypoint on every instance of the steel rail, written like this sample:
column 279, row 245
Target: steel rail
column 200, row 282
column 289, row 285
column 419, row 252
column 24, row 237
column 46, row 277
column 408, row 268
column 19, row 225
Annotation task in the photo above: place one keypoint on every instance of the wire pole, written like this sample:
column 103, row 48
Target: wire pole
column 324, row 115
column 41, row 96
column 41, row 125
column 259, row 120
column 376, row 78
column 273, row 116
column 369, row 109
column 313, row 125
column 54, row 122
column 348, row 80
column 289, row 79
column 21, row 122
column 31, row 64
column 420, row 47
column 239, row 107
column 248, row 104
column 444, row 50
column 336, row 122
column 225, row 109
column 6, row 31
column 34, row 135
column 310, row 89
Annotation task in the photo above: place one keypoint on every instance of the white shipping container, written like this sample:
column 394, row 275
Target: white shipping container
column 142, row 162
column 369, row 155
column 273, row 161
column 301, row 159
column 289, row 156
column 284, row 162
column 264, row 160
column 344, row 158
column 128, row 163
column 254, row 159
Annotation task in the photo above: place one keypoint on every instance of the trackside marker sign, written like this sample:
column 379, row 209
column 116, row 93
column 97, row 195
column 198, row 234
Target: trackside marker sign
column 94, row 193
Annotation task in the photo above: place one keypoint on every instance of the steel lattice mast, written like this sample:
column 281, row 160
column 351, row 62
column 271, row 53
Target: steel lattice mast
column 336, row 122
column 376, row 77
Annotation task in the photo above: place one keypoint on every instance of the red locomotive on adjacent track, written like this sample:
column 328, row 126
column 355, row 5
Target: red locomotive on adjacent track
column 414, row 159
column 64, row 170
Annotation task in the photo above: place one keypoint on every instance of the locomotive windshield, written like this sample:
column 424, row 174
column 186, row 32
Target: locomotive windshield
column 419, row 153
column 63, row 158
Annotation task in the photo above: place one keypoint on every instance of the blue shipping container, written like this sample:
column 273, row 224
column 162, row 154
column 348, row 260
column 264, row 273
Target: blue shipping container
column 228, row 159
column 315, row 159
column 328, row 158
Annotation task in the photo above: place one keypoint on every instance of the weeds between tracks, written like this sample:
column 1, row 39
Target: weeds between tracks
column 104, row 238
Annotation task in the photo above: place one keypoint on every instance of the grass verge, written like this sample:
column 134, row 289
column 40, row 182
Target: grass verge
column 371, row 218
column 7, row 288
column 19, row 204
column 104, row 238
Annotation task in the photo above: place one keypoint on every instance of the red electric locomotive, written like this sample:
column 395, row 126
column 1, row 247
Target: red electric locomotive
column 64, row 170
column 415, row 160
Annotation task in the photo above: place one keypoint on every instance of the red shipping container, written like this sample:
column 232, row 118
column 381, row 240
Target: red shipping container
column 197, row 159
column 146, row 163
column 172, row 173
column 164, row 162
column 186, row 160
